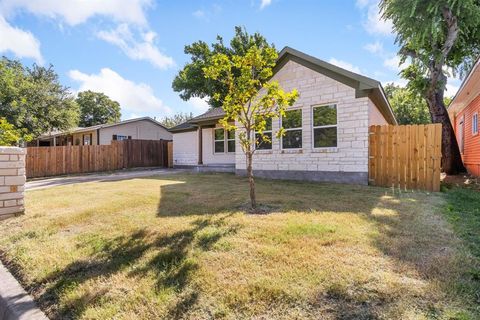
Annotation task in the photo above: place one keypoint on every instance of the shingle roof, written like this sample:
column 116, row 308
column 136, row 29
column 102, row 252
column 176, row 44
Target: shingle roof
column 212, row 114
column 99, row 126
column 186, row 126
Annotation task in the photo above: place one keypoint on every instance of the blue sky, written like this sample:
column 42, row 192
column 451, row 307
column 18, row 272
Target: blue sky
column 132, row 49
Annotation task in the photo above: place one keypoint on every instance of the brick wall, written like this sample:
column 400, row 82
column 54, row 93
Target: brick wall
column 12, row 181
column 351, row 153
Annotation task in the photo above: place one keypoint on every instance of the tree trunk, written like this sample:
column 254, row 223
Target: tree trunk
column 251, row 181
column 451, row 158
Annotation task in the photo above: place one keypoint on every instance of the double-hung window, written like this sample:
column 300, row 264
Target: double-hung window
column 262, row 144
column 231, row 141
column 224, row 140
column 475, row 123
column 219, row 140
column 292, row 123
column 324, row 126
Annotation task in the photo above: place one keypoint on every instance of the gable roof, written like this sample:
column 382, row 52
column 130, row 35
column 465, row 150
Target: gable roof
column 100, row 126
column 469, row 90
column 364, row 86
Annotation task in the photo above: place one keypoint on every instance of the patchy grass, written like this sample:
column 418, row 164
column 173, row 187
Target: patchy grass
column 181, row 247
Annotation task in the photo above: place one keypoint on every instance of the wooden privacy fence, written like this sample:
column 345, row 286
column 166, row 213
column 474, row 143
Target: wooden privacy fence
column 405, row 157
column 53, row 161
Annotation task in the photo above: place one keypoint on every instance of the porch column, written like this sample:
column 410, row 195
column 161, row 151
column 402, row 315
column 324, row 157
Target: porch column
column 200, row 146
column 54, row 141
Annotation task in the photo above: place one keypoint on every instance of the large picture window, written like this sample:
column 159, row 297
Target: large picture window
column 262, row 144
column 292, row 123
column 219, row 140
column 324, row 126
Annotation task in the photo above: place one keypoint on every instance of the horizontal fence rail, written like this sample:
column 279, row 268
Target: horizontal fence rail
column 405, row 157
column 54, row 161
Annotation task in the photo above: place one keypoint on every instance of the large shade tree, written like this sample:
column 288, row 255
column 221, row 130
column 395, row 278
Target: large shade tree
column 97, row 108
column 251, row 98
column 438, row 36
column 409, row 106
column 176, row 119
column 33, row 100
column 191, row 81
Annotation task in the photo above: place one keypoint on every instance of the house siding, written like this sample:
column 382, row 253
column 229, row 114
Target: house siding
column 471, row 152
column 375, row 117
column 209, row 156
column 144, row 129
column 353, row 117
column 185, row 151
column 78, row 137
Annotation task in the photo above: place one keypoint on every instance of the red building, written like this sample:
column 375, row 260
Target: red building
column 464, row 111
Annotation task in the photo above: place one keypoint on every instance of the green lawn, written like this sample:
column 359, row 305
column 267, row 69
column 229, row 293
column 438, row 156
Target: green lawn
column 181, row 246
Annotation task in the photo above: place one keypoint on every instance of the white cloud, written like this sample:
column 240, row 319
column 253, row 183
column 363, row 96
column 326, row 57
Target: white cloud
column 144, row 49
column 393, row 63
column 75, row 12
column 375, row 47
column 200, row 14
column 134, row 98
column 265, row 3
column 199, row 104
column 344, row 65
column 20, row 42
column 373, row 21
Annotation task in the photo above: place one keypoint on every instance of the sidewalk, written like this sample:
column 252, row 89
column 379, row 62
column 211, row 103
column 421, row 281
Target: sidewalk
column 15, row 303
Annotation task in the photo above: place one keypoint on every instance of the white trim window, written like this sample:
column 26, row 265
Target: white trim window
column 324, row 126
column 121, row 137
column 219, row 140
column 475, row 123
column 461, row 133
column 230, row 141
column 260, row 143
column 292, row 123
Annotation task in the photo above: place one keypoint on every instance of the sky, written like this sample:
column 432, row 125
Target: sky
column 132, row 49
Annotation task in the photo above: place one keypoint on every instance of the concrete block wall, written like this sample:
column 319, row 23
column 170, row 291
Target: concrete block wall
column 351, row 153
column 12, row 181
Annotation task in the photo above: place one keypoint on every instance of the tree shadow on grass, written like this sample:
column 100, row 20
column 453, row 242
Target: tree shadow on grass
column 173, row 265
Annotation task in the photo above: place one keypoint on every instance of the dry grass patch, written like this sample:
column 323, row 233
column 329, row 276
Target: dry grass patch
column 181, row 247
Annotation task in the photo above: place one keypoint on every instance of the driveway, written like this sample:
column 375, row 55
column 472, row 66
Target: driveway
column 117, row 175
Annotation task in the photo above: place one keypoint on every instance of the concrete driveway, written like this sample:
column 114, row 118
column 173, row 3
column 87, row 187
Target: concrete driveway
column 118, row 175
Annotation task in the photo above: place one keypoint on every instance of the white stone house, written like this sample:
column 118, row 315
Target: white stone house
column 326, row 129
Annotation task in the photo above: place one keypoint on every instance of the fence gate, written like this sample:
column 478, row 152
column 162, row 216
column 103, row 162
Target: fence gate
column 405, row 157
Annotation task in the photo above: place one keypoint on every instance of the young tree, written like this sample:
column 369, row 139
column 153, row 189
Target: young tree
column 191, row 80
column 97, row 108
column 176, row 119
column 33, row 100
column 251, row 98
column 436, row 36
column 9, row 136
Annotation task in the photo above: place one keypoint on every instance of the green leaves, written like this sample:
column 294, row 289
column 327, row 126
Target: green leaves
column 252, row 98
column 409, row 106
column 9, row 136
column 97, row 108
column 33, row 100
column 191, row 80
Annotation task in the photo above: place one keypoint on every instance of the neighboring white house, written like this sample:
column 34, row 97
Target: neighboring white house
column 144, row 128
column 326, row 129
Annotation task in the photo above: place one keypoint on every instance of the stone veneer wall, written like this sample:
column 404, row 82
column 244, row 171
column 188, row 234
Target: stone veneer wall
column 12, row 181
column 349, row 159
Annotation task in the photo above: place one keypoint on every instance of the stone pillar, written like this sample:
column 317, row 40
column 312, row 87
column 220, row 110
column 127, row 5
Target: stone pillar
column 12, row 181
